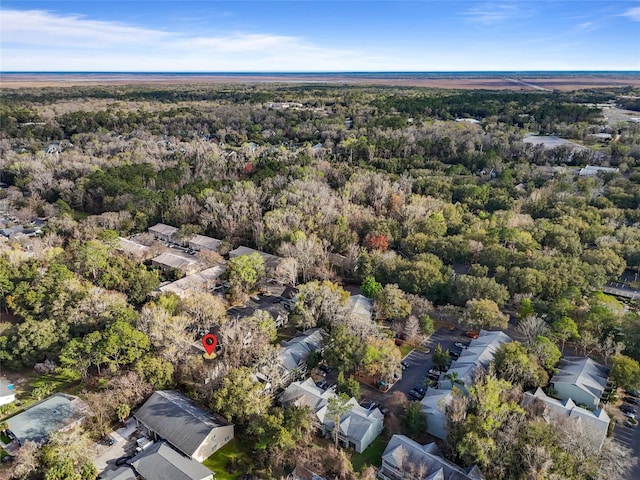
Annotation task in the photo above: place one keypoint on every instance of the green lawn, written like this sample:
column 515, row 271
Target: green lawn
column 371, row 456
column 6, row 440
column 229, row 462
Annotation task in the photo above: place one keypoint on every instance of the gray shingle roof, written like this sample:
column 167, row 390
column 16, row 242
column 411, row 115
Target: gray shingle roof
column 584, row 373
column 161, row 462
column 38, row 421
column 177, row 419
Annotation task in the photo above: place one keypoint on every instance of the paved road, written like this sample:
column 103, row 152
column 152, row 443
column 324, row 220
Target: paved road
column 630, row 438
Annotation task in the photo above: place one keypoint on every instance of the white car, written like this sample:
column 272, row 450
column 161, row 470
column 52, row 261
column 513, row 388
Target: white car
column 460, row 345
column 629, row 415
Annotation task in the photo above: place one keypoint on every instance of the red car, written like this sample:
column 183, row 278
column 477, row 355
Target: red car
column 472, row 334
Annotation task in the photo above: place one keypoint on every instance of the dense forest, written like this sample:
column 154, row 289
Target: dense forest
column 437, row 203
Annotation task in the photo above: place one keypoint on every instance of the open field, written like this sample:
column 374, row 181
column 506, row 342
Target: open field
column 470, row 82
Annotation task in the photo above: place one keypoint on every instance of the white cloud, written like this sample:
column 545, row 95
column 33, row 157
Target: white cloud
column 491, row 13
column 39, row 40
column 633, row 14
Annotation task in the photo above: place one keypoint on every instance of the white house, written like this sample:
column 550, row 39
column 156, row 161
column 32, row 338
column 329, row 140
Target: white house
column 405, row 459
column 581, row 380
column 594, row 424
column 196, row 282
column 202, row 242
column 358, row 427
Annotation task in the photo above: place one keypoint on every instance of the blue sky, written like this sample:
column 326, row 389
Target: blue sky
column 269, row 36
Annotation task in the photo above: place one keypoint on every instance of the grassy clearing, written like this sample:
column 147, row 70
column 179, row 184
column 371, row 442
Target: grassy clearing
column 371, row 456
column 405, row 349
column 229, row 462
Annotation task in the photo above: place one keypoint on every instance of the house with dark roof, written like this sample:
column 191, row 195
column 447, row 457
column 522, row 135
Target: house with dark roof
column 405, row 459
column 52, row 414
column 161, row 462
column 581, row 380
column 192, row 430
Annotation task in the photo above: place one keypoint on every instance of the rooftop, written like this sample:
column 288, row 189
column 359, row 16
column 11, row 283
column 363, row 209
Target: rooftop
column 161, row 462
column 202, row 241
column 299, row 348
column 583, row 373
column 52, row 414
column 194, row 282
column 408, row 455
column 177, row 419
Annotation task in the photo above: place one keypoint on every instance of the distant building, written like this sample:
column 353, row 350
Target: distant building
column 405, row 459
column 135, row 250
column 197, row 282
column 161, row 462
column 163, row 232
column 172, row 416
column 595, row 423
column 173, row 261
column 581, row 380
column 271, row 262
column 202, row 242
column 592, row 171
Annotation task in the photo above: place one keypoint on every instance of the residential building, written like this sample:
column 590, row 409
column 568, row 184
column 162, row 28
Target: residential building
column 479, row 354
column 7, row 392
column 172, row 416
column 360, row 308
column 196, row 282
column 201, row 242
column 592, row 171
column 405, row 459
column 271, row 262
column 581, row 380
column 358, row 427
column 161, row 462
column 461, row 374
column 135, row 250
column 294, row 353
column 175, row 261
column 434, row 405
column 593, row 424
column 57, row 412
column 163, row 232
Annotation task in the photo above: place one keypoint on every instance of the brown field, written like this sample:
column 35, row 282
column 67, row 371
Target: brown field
column 553, row 82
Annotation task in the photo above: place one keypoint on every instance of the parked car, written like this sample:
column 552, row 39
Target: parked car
column 107, row 440
column 384, row 410
column 421, row 390
column 415, row 394
column 398, row 342
column 632, row 400
column 404, row 364
column 634, row 393
column 627, row 409
column 630, row 423
column 472, row 334
column 323, row 384
column 368, row 404
column 454, row 355
column 461, row 345
column 324, row 368
column 629, row 415
column 7, row 458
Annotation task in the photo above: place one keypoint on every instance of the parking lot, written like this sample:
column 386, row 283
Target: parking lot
column 629, row 438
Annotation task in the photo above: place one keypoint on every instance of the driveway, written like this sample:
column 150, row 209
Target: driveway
column 419, row 365
column 105, row 455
